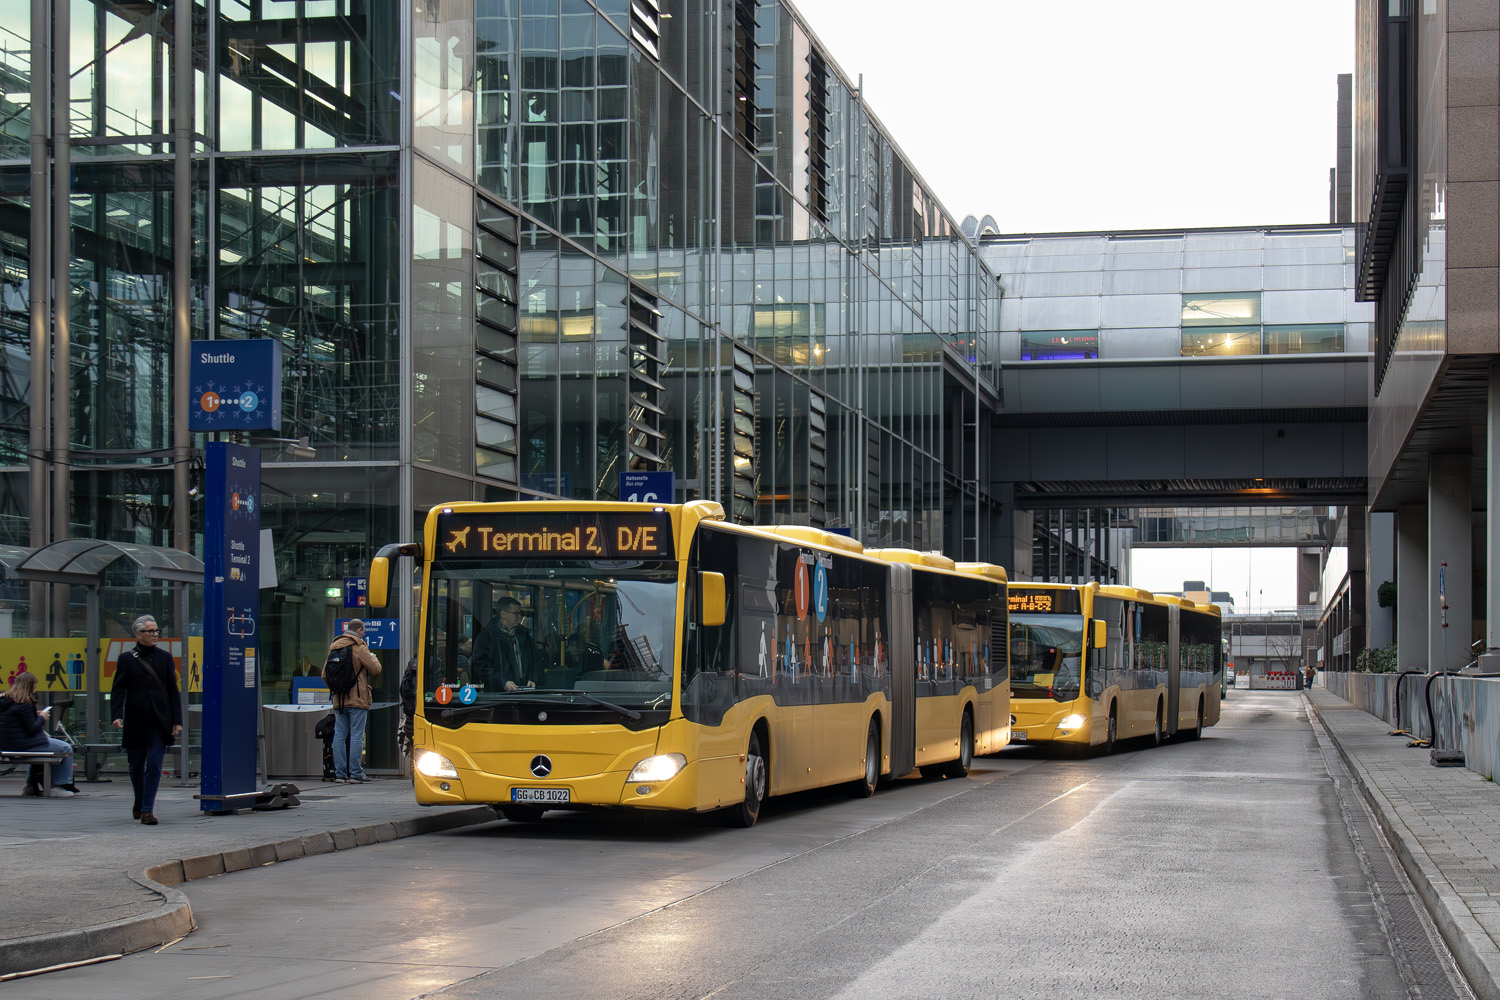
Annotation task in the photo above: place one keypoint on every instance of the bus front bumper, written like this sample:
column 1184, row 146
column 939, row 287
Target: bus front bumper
column 1047, row 727
column 611, row 788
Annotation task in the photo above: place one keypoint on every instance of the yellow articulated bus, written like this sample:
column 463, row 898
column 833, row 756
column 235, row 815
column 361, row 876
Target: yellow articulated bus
column 1094, row 664
column 597, row 654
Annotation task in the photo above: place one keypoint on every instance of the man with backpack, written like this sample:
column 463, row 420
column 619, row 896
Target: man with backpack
column 347, row 673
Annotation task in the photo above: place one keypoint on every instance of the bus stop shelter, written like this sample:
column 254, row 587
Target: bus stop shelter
column 82, row 562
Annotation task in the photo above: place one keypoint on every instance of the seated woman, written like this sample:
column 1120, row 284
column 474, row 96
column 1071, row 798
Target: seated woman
column 22, row 727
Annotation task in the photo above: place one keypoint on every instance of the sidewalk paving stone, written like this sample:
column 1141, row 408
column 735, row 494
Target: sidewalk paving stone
column 1442, row 822
column 106, row 884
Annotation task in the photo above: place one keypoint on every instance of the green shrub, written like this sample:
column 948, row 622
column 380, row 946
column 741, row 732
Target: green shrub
column 1376, row 661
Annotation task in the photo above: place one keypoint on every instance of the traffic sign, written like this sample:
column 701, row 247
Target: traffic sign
column 356, row 591
column 648, row 487
column 380, row 633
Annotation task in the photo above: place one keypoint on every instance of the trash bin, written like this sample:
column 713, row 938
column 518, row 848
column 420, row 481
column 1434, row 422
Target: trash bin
column 292, row 750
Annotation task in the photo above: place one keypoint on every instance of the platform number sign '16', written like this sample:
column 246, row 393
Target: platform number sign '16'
column 648, row 487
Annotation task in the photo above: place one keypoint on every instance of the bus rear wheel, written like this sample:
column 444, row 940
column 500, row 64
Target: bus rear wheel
column 747, row 812
column 1156, row 735
column 960, row 768
column 1197, row 731
column 864, row 787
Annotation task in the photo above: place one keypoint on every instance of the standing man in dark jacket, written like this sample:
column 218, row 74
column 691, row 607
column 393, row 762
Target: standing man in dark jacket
column 144, row 704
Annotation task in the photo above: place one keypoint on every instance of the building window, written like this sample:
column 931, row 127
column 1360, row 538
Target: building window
column 646, row 352
column 1221, row 309
column 817, row 136
column 1059, row 345
column 496, row 252
column 645, row 25
column 743, row 89
column 1218, row 341
column 1307, row 338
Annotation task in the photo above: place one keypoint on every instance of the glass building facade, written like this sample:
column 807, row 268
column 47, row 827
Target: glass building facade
column 511, row 248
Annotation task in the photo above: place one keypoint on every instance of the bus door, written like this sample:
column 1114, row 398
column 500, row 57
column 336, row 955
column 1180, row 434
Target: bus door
column 902, row 658
column 1174, row 668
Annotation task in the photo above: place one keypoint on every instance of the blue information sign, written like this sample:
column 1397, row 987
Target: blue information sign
column 380, row 633
column 356, row 591
column 231, row 640
column 235, row 385
column 820, row 591
column 648, row 487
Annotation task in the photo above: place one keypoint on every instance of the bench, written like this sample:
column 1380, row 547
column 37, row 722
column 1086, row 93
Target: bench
column 29, row 757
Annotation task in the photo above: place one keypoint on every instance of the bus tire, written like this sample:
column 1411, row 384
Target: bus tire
column 1157, row 733
column 1111, row 731
column 744, row 814
column 521, row 814
column 960, row 768
column 865, row 785
column 1197, row 731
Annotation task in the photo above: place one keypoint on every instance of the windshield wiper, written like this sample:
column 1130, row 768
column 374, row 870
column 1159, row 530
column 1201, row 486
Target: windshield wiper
column 627, row 712
column 449, row 714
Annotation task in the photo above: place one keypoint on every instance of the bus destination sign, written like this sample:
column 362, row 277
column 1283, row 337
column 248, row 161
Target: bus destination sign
column 1045, row 602
column 555, row 535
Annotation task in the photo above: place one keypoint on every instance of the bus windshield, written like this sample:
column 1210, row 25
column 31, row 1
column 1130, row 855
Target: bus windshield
column 1046, row 656
column 574, row 640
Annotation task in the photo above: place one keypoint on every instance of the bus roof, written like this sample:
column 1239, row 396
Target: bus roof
column 985, row 569
column 934, row 559
column 808, row 534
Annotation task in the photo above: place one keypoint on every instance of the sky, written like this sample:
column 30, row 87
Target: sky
column 1080, row 115
column 1259, row 580
column 1101, row 115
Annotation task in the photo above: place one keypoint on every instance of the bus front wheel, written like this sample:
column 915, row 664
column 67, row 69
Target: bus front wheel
column 1111, row 733
column 1156, row 735
column 748, row 811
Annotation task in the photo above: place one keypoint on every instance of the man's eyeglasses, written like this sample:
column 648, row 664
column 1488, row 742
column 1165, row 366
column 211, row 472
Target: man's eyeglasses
column 149, row 631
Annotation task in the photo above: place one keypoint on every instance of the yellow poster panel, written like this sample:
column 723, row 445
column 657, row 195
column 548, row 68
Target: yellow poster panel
column 59, row 663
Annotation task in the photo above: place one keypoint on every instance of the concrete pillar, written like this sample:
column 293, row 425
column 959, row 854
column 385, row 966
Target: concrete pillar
column 1450, row 531
column 1411, row 588
column 1381, row 559
column 1492, row 527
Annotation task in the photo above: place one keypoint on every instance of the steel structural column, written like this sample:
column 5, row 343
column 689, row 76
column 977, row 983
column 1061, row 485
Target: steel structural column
column 39, row 266
column 1449, row 561
column 1411, row 588
column 62, row 296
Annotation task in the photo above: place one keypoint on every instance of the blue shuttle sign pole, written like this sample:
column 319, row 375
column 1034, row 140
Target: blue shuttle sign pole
column 231, row 616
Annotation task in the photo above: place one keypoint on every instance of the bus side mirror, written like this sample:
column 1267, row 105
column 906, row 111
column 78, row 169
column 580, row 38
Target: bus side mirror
column 380, row 570
column 711, row 598
column 1101, row 633
column 380, row 573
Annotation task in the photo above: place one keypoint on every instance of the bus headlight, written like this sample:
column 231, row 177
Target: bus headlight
column 658, row 768
column 1072, row 722
column 435, row 765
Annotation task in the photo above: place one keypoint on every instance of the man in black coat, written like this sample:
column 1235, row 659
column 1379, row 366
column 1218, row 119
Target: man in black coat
column 144, row 704
column 504, row 652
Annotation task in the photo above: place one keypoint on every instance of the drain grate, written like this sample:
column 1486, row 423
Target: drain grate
column 1416, row 946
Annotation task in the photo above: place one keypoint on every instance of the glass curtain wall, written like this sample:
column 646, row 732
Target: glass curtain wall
column 789, row 271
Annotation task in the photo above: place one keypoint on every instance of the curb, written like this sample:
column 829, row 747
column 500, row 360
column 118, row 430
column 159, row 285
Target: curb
column 1474, row 951
column 174, row 918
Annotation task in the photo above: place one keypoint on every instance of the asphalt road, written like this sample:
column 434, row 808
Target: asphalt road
column 1218, row 868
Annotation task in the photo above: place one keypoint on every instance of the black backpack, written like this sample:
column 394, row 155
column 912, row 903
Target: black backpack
column 339, row 671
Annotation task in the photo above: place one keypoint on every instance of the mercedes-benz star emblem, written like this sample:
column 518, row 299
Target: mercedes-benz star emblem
column 541, row 765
